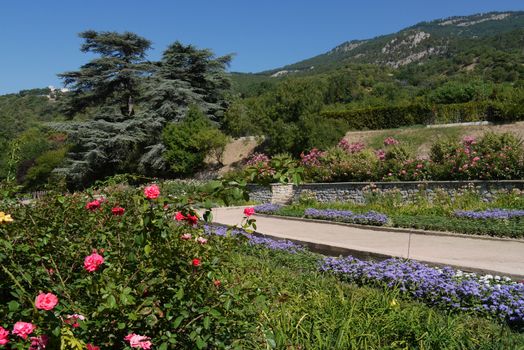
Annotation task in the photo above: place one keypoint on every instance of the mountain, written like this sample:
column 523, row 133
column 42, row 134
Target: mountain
column 442, row 38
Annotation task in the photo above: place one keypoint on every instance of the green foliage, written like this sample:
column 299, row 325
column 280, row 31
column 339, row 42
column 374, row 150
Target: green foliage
column 113, row 79
column 41, row 171
column 505, row 228
column 436, row 213
column 148, row 285
column 282, row 168
column 189, row 142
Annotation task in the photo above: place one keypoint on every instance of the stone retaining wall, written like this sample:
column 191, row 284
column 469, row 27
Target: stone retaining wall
column 358, row 191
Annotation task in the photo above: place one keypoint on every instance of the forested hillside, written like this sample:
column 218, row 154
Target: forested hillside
column 125, row 113
column 451, row 70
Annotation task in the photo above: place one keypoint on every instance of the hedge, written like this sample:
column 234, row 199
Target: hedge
column 389, row 117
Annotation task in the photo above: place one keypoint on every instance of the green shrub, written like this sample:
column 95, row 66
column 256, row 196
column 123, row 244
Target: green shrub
column 40, row 172
column 189, row 142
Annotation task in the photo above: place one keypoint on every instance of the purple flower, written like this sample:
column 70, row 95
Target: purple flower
column 369, row 218
column 267, row 208
column 489, row 214
column 443, row 287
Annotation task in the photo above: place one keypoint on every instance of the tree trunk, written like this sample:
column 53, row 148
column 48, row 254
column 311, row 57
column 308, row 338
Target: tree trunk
column 130, row 106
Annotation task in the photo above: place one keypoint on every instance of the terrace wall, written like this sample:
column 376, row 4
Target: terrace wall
column 357, row 191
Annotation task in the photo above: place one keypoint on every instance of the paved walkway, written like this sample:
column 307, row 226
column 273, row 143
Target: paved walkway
column 489, row 256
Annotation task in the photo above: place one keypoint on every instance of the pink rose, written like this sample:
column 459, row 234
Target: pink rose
column 152, row 192
column 4, row 336
column 249, row 211
column 186, row 236
column 92, row 347
column 118, row 211
column 138, row 341
column 476, row 159
column 93, row 261
column 201, row 240
column 23, row 329
column 46, row 301
column 94, row 205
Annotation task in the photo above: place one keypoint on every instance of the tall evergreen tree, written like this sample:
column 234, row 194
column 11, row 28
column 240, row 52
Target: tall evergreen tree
column 113, row 79
column 186, row 76
column 189, row 76
column 115, row 141
column 114, row 138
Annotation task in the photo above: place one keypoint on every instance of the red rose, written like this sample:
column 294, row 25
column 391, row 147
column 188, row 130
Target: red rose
column 196, row 262
column 118, row 211
column 191, row 219
column 94, row 205
column 249, row 211
column 179, row 216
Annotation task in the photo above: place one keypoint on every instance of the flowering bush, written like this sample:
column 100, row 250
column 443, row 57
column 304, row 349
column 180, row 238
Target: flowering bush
column 279, row 169
column 312, row 159
column 104, row 280
column 390, row 141
column 351, row 147
column 257, row 158
column 493, row 157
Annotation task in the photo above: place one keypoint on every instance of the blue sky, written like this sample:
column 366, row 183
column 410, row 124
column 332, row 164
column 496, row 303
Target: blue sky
column 39, row 38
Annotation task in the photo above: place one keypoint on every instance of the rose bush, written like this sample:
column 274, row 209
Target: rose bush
column 80, row 276
column 492, row 157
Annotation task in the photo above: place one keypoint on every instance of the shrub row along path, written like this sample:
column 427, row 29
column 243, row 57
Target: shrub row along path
column 505, row 257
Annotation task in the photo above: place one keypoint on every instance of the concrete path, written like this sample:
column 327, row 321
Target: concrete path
column 470, row 254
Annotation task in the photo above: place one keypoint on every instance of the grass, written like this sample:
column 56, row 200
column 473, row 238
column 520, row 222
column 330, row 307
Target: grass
column 304, row 309
column 513, row 228
column 415, row 137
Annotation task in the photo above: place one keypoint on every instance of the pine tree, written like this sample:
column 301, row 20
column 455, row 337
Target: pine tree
column 114, row 78
column 116, row 139
column 186, row 76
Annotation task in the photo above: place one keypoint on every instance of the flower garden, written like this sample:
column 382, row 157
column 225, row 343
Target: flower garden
column 467, row 212
column 490, row 157
column 127, row 268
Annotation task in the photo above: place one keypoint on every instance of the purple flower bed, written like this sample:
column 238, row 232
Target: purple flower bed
column 446, row 288
column 489, row 214
column 267, row 208
column 273, row 244
column 369, row 218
